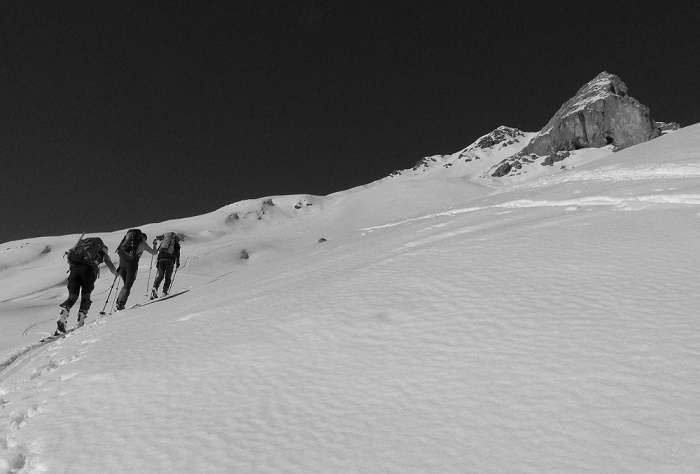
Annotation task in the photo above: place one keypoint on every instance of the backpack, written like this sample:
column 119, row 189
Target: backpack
column 87, row 251
column 129, row 245
column 167, row 246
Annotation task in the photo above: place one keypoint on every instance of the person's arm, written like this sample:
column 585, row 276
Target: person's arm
column 144, row 247
column 110, row 265
column 177, row 254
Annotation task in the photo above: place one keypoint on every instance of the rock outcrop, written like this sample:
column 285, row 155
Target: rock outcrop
column 503, row 141
column 502, row 136
column 667, row 127
column 600, row 114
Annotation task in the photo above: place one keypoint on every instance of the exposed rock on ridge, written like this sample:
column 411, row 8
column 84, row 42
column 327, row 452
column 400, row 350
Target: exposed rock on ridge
column 503, row 140
column 601, row 113
column 501, row 136
column 666, row 127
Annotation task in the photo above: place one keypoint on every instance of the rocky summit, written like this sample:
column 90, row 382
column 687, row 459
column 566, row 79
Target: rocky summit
column 600, row 114
column 600, row 119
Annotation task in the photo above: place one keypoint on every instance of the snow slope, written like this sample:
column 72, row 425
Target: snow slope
column 546, row 326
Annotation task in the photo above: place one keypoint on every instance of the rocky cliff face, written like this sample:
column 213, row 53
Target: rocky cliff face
column 601, row 113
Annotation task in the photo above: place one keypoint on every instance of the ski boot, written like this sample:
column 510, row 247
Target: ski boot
column 61, row 323
column 82, row 315
column 154, row 293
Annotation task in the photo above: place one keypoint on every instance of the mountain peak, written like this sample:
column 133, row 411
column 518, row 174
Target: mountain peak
column 603, row 86
column 600, row 114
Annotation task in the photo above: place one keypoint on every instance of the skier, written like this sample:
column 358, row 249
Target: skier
column 130, row 249
column 168, row 256
column 84, row 260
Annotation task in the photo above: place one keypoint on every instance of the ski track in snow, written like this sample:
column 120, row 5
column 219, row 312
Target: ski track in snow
column 37, row 366
column 629, row 203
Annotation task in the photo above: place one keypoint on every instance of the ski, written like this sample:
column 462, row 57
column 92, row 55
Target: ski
column 155, row 300
column 162, row 298
column 59, row 335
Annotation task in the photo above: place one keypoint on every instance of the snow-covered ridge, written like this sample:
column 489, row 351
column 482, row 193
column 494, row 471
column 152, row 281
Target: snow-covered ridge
column 473, row 160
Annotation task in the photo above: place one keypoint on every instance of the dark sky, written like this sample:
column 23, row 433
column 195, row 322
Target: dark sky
column 118, row 114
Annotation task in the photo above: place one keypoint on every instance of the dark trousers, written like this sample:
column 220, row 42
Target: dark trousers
column 165, row 270
column 81, row 282
column 127, row 272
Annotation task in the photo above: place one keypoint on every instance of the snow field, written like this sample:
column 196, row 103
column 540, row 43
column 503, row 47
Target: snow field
column 414, row 361
column 547, row 327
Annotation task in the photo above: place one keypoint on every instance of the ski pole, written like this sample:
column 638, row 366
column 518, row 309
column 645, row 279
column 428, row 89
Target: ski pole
column 173, row 279
column 110, row 294
column 148, row 282
column 115, row 298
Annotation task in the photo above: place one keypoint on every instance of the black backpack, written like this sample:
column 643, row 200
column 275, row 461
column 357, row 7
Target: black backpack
column 167, row 247
column 87, row 251
column 129, row 245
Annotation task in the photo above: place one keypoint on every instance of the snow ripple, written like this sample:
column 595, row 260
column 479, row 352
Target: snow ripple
column 618, row 173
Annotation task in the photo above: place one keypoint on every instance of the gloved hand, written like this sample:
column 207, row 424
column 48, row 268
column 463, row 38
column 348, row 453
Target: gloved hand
column 177, row 264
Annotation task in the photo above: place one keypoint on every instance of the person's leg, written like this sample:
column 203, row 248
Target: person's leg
column 161, row 273
column 73, row 288
column 89, row 275
column 169, row 265
column 128, row 274
column 121, row 297
column 73, row 294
